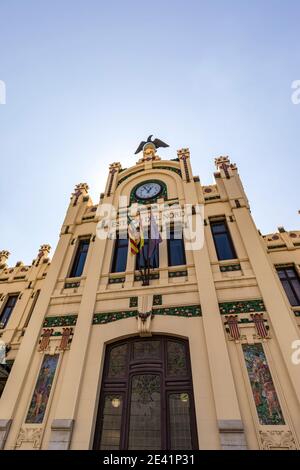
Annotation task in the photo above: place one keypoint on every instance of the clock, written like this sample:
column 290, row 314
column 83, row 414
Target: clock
column 148, row 190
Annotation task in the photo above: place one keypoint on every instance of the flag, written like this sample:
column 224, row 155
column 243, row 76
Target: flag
column 155, row 238
column 134, row 236
column 142, row 241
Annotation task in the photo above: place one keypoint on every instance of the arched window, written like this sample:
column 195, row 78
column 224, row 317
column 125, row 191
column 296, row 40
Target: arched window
column 146, row 398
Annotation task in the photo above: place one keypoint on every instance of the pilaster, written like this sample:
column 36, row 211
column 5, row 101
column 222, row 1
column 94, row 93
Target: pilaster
column 70, row 390
column 225, row 396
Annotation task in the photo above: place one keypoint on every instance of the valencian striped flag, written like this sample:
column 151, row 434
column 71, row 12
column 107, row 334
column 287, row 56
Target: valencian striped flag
column 136, row 237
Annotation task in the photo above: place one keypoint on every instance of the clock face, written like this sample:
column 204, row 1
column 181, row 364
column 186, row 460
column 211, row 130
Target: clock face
column 148, row 190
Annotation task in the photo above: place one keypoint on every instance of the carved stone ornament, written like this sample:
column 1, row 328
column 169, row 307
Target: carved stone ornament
column 114, row 167
column 224, row 164
column 33, row 435
column 81, row 188
column 144, row 323
column 4, row 254
column 183, row 154
column 144, row 315
column 44, row 250
column 271, row 440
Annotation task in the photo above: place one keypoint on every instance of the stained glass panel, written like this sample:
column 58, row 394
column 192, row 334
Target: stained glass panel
column 176, row 359
column 111, row 424
column 42, row 389
column 118, row 361
column 146, row 350
column 263, row 389
column 145, row 413
column 180, row 426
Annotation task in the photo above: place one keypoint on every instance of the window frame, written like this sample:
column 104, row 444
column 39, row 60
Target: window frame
column 76, row 256
column 288, row 279
column 114, row 254
column 169, row 248
column 9, row 296
column 215, row 221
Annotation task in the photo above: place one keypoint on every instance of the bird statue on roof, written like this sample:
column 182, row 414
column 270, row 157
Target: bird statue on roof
column 156, row 142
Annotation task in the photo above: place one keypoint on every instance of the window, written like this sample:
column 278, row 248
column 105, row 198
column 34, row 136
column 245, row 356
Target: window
column 141, row 259
column 35, row 299
column 7, row 310
column 222, row 239
column 120, row 255
column 176, row 251
column 291, row 284
column 80, row 257
column 146, row 400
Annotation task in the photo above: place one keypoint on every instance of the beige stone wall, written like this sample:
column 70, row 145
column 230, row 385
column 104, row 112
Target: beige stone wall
column 225, row 409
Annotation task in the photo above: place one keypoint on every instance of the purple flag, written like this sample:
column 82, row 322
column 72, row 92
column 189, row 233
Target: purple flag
column 155, row 238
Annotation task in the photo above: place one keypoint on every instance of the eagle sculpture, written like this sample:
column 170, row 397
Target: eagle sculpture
column 157, row 142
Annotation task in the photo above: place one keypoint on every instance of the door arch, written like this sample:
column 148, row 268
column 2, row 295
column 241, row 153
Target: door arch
column 146, row 400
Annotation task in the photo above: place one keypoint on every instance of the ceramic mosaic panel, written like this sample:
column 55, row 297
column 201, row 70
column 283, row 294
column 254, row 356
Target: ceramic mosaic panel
column 42, row 389
column 263, row 389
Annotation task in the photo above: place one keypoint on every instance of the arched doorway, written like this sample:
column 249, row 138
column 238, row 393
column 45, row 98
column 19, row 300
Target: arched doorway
column 146, row 400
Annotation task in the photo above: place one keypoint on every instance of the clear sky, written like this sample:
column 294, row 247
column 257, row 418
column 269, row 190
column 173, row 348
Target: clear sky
column 87, row 80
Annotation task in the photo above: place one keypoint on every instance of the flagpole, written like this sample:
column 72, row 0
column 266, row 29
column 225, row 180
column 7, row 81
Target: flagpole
column 148, row 257
column 146, row 262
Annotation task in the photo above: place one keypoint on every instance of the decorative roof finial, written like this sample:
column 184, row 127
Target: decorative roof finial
column 4, row 254
column 155, row 144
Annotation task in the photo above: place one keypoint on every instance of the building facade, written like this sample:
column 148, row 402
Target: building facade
column 203, row 356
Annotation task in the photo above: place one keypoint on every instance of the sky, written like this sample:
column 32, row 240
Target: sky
column 86, row 81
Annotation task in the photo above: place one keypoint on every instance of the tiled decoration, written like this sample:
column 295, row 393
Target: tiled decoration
column 157, row 299
column 229, row 268
column 178, row 274
column 242, row 306
column 42, row 389
column 133, row 302
column 264, row 394
column 101, row 318
column 116, row 280
column 182, row 311
column 67, row 320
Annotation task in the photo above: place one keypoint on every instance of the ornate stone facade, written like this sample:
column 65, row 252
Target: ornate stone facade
column 232, row 316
